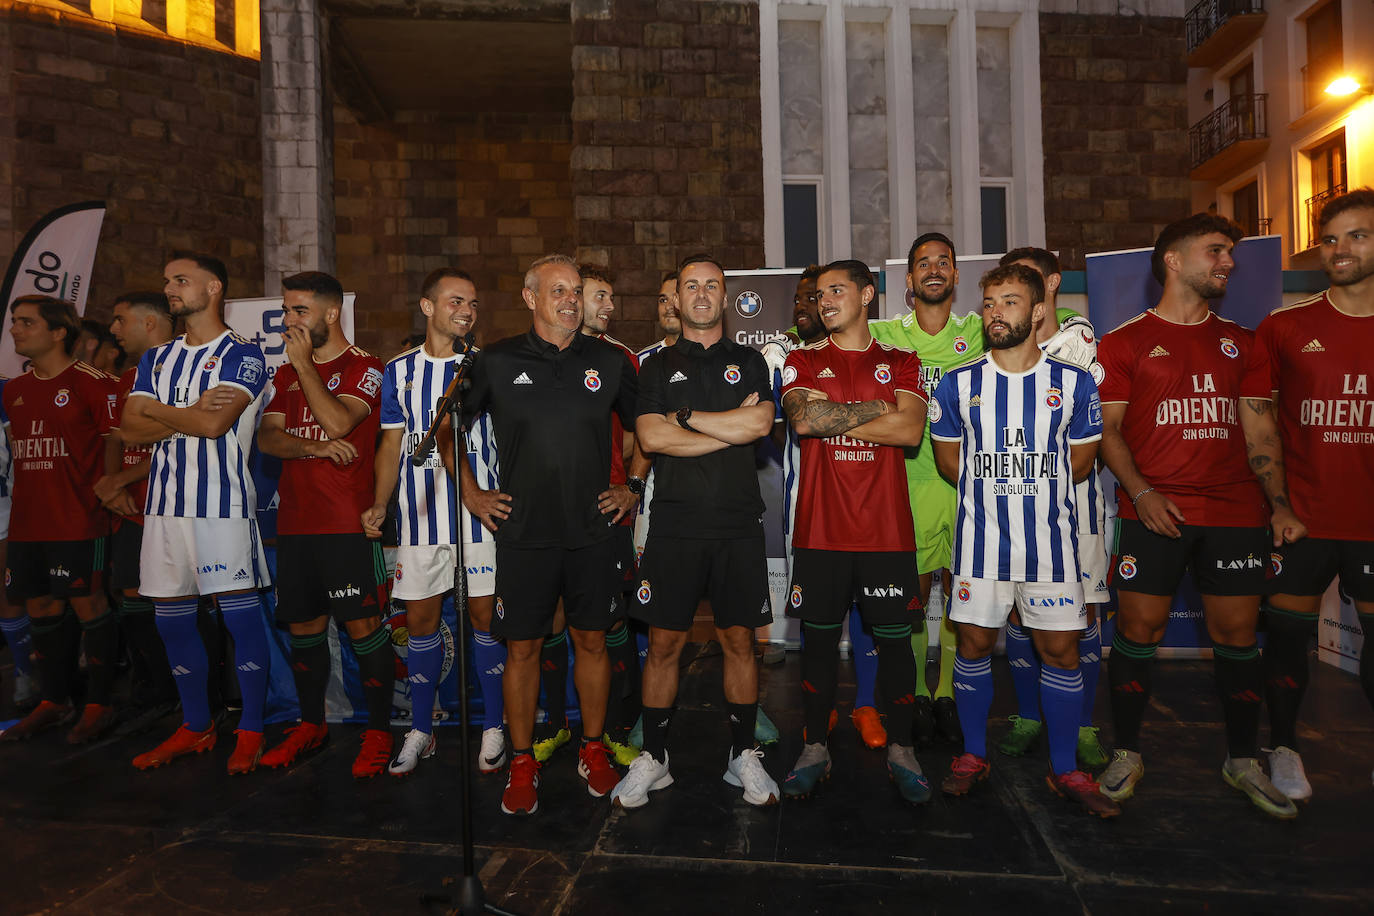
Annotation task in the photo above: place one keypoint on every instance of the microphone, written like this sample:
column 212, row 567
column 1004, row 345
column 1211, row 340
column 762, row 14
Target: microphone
column 462, row 344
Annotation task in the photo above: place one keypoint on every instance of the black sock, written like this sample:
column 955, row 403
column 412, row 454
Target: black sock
column 742, row 717
column 819, row 677
column 1240, row 683
column 139, row 622
column 377, row 672
column 553, row 678
column 1286, row 673
column 50, row 657
column 1367, row 657
column 624, row 658
column 896, row 679
column 100, row 639
column 1128, row 674
column 656, row 731
column 310, row 668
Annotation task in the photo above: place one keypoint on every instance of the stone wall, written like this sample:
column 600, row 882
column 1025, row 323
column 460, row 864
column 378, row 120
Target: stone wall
column 1113, row 92
column 666, row 158
column 420, row 191
column 166, row 133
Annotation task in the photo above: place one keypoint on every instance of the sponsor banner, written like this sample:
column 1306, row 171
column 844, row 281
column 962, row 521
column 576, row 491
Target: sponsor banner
column 1120, row 286
column 54, row 259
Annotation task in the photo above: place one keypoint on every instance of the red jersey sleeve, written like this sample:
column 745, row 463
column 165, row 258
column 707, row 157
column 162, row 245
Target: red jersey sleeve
column 1258, row 381
column 908, row 377
column 363, row 380
column 102, row 400
column 280, row 382
column 1116, row 356
column 797, row 372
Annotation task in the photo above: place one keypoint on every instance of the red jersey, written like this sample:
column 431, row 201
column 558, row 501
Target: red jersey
column 317, row 495
column 1320, row 364
column 57, row 430
column 618, row 475
column 853, row 494
column 133, row 454
column 1182, row 384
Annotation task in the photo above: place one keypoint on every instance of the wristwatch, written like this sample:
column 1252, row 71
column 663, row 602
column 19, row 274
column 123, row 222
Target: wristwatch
column 635, row 485
column 683, row 415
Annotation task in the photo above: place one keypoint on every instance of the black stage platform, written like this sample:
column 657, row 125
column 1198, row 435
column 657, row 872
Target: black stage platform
column 86, row 833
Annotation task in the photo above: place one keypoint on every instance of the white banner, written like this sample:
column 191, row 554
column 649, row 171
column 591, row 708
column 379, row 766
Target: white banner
column 259, row 320
column 54, row 259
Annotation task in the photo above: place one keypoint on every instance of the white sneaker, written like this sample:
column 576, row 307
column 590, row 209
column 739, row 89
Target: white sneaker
column 415, row 746
column 25, row 691
column 492, row 756
column 1118, row 780
column 747, row 772
column 645, row 775
column 1287, row 774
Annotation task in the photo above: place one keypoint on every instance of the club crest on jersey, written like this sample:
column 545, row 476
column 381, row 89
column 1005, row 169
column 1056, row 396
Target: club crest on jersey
column 592, row 380
column 500, row 610
column 1276, row 564
column 749, row 304
column 644, row 593
column 1054, row 398
column 1228, row 346
column 1127, row 568
column 210, row 364
column 883, row 373
column 334, row 381
column 960, row 345
column 398, row 572
column 732, row 374
column 62, row 398
column 933, row 412
column 795, row 599
column 965, row 591
column 250, row 370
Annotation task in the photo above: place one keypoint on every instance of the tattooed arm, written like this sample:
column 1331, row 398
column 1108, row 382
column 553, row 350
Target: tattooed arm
column 1264, row 449
column 811, row 414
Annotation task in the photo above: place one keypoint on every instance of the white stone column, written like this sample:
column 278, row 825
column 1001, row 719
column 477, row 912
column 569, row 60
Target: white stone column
column 297, row 141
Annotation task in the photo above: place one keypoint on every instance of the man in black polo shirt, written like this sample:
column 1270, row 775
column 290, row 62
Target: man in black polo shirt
column 550, row 393
column 704, row 401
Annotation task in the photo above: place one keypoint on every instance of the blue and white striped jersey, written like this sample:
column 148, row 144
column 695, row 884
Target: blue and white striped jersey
column 1017, row 516
column 775, row 355
column 193, row 477
column 650, row 350
column 411, row 387
column 6, row 464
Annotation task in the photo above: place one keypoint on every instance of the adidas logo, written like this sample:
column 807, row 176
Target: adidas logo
column 418, row 678
column 523, row 379
column 247, row 667
column 180, row 671
column 1313, row 346
column 677, row 377
column 240, row 575
column 1020, row 663
column 825, row 373
column 1158, row 351
column 976, row 401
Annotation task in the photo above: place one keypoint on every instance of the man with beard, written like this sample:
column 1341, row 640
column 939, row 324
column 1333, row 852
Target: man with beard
column 322, row 424
column 1014, row 430
column 195, row 400
column 942, row 340
column 1186, row 398
column 1319, row 359
column 669, row 321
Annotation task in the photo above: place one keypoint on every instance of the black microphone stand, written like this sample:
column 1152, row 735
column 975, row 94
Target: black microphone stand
column 469, row 897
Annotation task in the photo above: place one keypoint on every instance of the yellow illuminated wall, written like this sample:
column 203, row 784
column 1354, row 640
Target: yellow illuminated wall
column 192, row 21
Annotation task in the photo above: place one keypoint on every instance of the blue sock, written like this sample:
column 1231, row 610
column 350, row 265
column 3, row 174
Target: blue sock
column 176, row 624
column 1025, row 672
column 489, row 657
column 1061, row 694
column 865, row 654
column 16, row 630
column 252, row 659
column 425, row 662
column 1090, row 663
column 973, row 698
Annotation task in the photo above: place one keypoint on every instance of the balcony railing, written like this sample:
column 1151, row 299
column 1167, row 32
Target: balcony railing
column 1314, row 210
column 1204, row 19
column 1242, row 117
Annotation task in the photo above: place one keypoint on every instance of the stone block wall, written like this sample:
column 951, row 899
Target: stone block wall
column 420, row 191
column 1113, row 94
column 167, row 133
column 666, row 158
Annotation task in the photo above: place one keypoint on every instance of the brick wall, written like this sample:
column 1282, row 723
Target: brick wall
column 418, row 192
column 667, row 158
column 1115, row 130
column 166, row 133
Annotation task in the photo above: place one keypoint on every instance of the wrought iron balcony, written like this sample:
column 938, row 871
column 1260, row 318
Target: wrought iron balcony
column 1216, row 29
column 1233, row 132
column 1314, row 210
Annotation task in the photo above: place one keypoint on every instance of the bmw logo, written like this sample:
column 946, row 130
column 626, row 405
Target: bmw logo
column 749, row 304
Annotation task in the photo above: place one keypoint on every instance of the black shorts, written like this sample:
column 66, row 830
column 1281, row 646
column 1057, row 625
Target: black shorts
column 1308, row 566
column 530, row 580
column 1224, row 561
column 825, row 583
column 57, row 569
column 625, row 555
column 338, row 575
column 125, row 545
column 676, row 573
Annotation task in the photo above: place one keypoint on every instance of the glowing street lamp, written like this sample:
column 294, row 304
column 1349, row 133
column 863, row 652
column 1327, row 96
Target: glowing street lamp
column 1343, row 86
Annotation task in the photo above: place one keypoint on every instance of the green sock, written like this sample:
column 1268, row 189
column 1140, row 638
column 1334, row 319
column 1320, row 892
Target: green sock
column 919, row 642
column 949, row 647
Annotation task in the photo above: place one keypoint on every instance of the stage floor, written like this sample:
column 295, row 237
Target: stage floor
column 86, row 833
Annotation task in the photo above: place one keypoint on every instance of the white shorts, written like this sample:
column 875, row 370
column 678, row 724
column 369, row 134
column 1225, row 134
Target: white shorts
column 200, row 556
column 426, row 571
column 1042, row 605
column 1093, row 564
